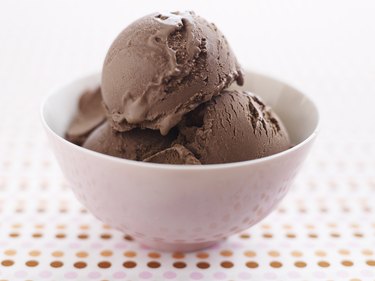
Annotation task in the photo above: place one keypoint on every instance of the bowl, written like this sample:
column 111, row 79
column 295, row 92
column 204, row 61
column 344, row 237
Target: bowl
column 176, row 207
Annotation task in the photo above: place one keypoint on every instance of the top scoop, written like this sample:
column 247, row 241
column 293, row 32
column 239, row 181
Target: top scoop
column 163, row 66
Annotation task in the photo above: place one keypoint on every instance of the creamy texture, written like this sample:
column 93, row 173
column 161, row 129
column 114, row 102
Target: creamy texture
column 90, row 115
column 136, row 144
column 177, row 154
column 234, row 126
column 161, row 67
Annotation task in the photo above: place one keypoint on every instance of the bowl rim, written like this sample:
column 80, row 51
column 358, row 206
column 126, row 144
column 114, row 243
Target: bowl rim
column 141, row 164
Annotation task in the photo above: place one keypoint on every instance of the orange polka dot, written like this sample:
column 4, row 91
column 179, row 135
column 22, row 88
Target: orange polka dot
column 130, row 254
column 154, row 255
column 276, row 264
column 153, row 264
column 106, row 253
column 347, row 263
column 267, row 235
column 56, row 264
column 57, row 254
column 226, row 253
column 250, row 254
column 10, row 252
column 203, row 265
column 104, row 264
column 344, row 252
column 84, row 226
column 252, row 264
column 370, row 262
column 129, row 264
column 274, row 253
column 320, row 253
column 32, row 263
column 7, row 263
column 296, row 254
column 82, row 254
column 202, row 255
column 34, row 253
column 367, row 252
column 178, row 255
column 323, row 264
column 300, row 264
column 226, row 264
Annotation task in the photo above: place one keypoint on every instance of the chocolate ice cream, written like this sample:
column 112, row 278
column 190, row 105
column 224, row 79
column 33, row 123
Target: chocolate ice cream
column 163, row 66
column 136, row 144
column 90, row 115
column 234, row 126
column 164, row 89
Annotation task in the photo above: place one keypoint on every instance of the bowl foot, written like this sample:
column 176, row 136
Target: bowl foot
column 178, row 247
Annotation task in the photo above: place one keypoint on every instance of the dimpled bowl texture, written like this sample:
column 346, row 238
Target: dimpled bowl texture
column 176, row 207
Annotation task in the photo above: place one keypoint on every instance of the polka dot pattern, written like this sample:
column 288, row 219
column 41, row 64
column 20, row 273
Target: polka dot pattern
column 323, row 230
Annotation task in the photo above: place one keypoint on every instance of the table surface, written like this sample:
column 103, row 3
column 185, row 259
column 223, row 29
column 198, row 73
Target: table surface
column 325, row 227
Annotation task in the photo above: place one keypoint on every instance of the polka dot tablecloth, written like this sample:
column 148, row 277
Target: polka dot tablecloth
column 323, row 230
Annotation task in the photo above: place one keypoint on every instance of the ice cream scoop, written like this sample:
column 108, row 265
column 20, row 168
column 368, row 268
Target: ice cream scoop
column 232, row 127
column 163, row 66
column 89, row 115
column 136, row 144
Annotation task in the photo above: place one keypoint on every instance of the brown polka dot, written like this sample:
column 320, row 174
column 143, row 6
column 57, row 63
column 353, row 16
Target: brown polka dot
column 370, row 262
column 106, row 236
column 313, row 235
column 226, row 253
column 252, row 264
column 60, row 235
column 14, row 235
column 130, row 254
column 10, row 252
column 7, row 263
column 128, row 237
column 276, row 264
column 245, row 236
column 178, row 255
column 129, row 264
column 367, row 252
column 320, row 253
column 104, row 264
column 358, row 234
column 344, row 252
column 80, row 264
column 32, row 263
column 335, row 235
column 323, row 264
column 203, row 265
column 291, row 235
column 56, row 264
column 37, row 235
column 300, row 264
column 153, row 264
column 179, row 264
column 274, row 253
column 296, row 254
column 226, row 264
column 202, row 255
column 347, row 263
column 250, row 254
column 154, row 255
column 267, row 235
column 106, row 253
column 82, row 236
column 82, row 254
column 34, row 253
column 57, row 254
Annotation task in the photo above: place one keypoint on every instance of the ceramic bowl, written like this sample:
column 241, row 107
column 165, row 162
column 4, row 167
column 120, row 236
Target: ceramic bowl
column 175, row 207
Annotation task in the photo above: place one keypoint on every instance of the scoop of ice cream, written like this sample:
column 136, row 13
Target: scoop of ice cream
column 163, row 66
column 234, row 126
column 136, row 144
column 177, row 154
column 90, row 115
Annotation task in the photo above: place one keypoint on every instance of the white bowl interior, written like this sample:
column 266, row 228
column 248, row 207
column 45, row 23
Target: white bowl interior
column 299, row 114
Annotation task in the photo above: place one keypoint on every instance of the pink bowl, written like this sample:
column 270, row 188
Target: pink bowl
column 182, row 208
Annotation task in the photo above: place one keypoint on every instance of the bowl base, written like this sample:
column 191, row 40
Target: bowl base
column 178, row 247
